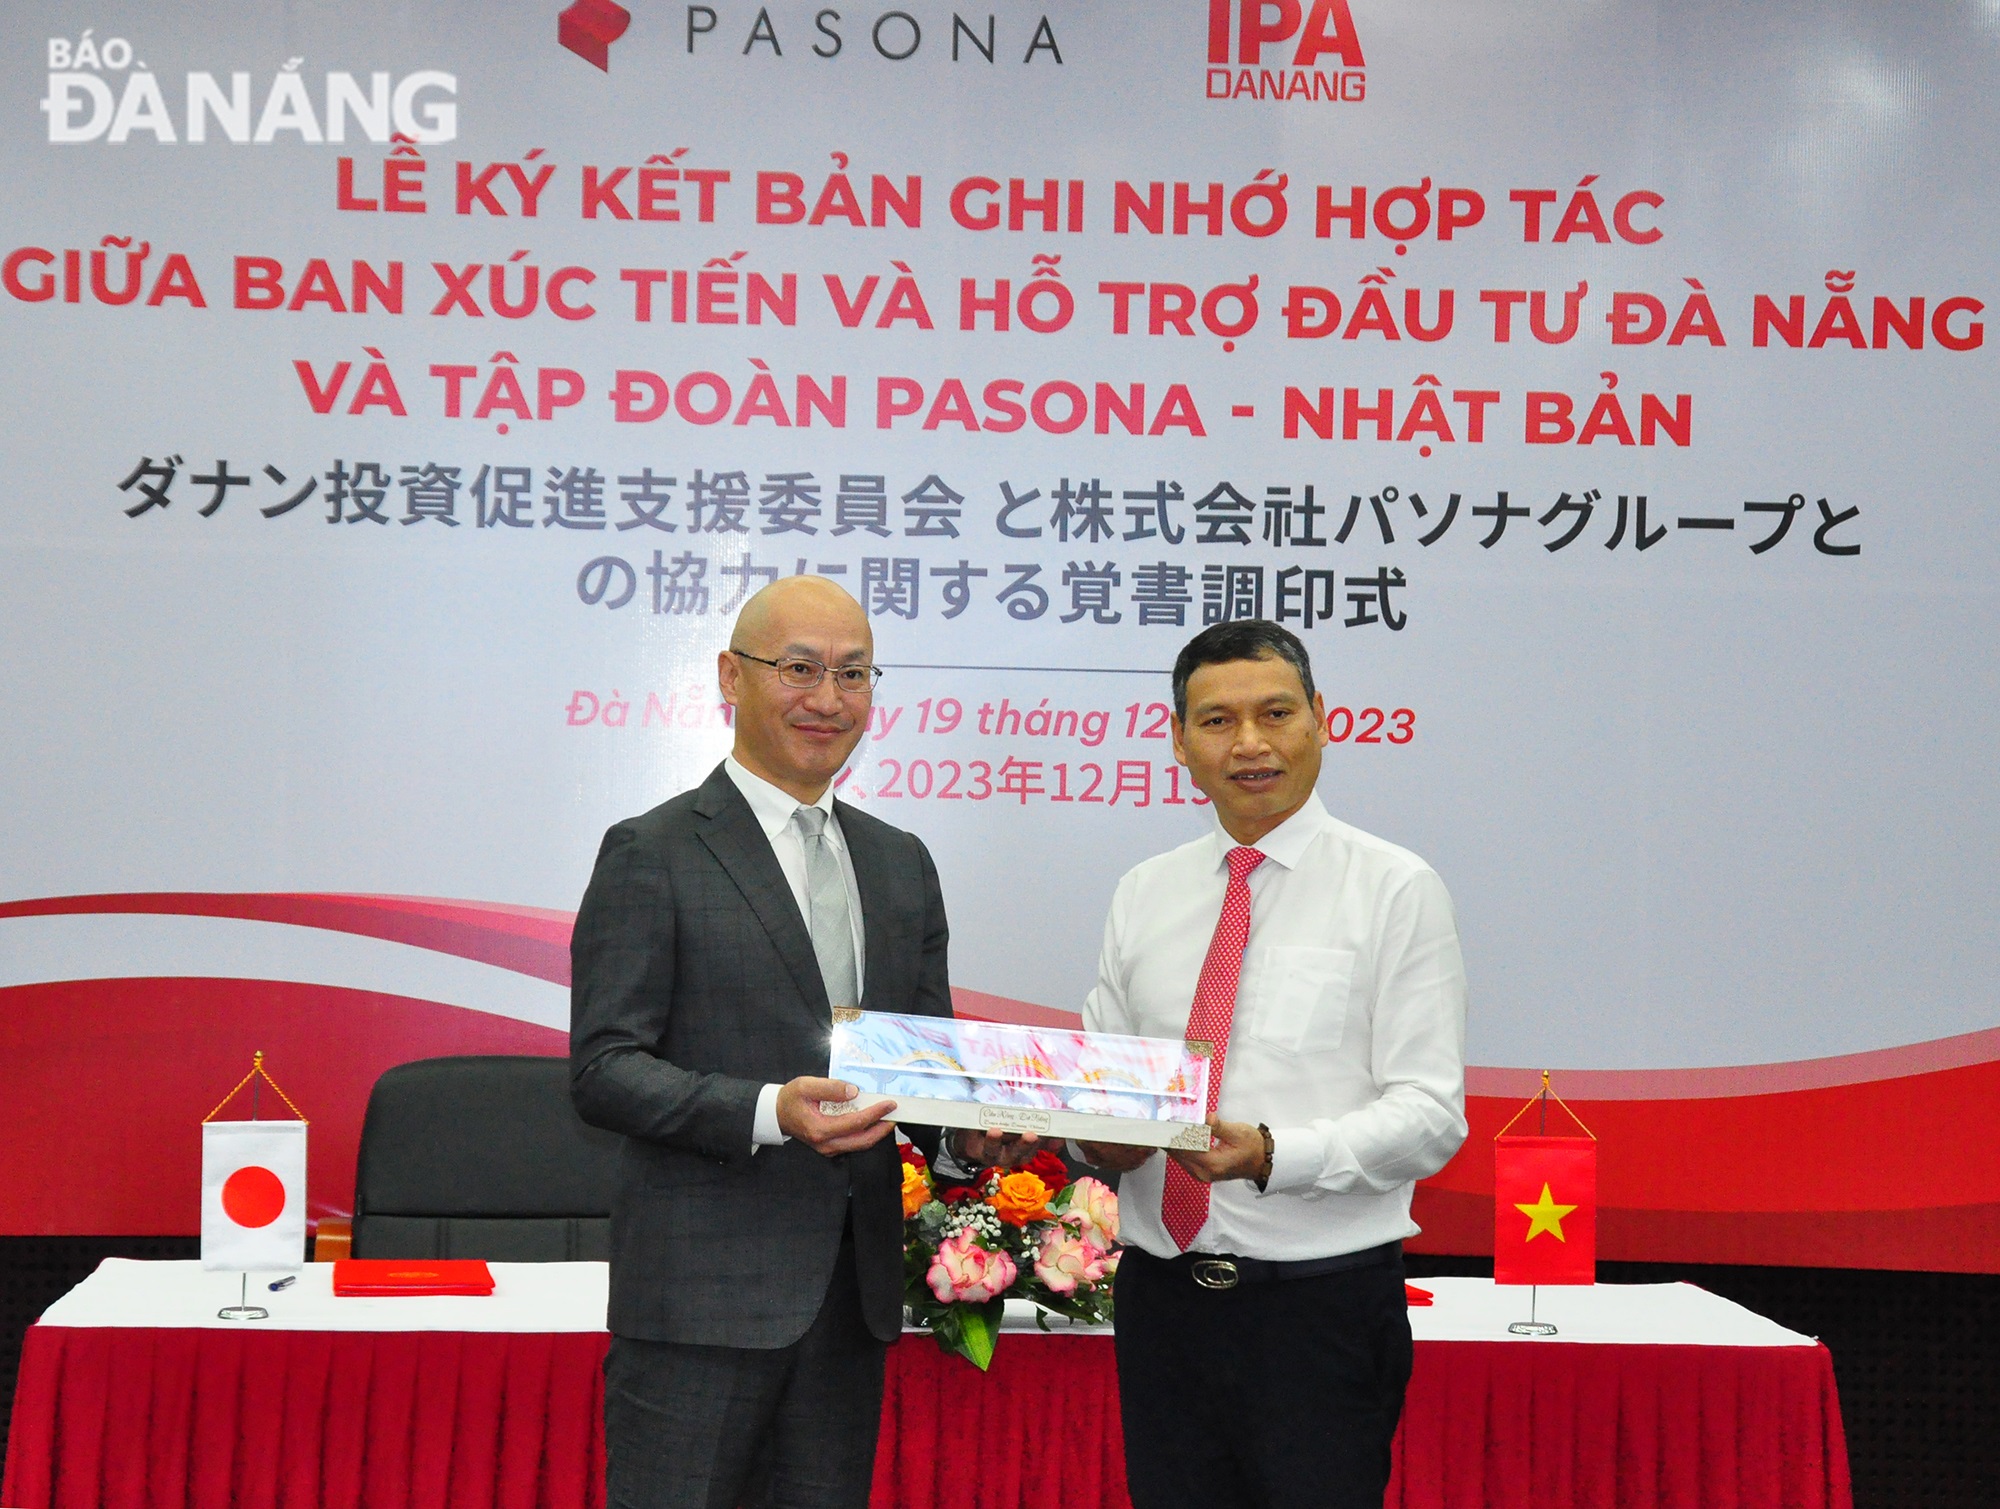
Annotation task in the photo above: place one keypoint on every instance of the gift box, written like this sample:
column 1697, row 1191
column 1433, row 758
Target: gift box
column 1056, row 1082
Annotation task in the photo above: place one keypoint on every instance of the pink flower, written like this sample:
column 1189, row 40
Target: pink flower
column 965, row 1271
column 1065, row 1259
column 1093, row 1211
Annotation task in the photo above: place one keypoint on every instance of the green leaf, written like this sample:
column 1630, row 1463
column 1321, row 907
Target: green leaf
column 979, row 1331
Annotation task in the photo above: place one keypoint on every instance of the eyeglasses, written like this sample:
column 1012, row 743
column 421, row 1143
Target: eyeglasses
column 803, row 675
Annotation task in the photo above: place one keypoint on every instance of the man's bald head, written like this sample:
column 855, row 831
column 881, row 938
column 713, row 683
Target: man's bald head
column 790, row 597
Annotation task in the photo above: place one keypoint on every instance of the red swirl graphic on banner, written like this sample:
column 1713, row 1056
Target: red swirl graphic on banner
column 1849, row 1161
column 528, row 940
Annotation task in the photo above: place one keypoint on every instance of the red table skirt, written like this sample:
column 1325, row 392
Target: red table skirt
column 1497, row 1425
column 126, row 1418
column 1041, row 1428
column 209, row 1419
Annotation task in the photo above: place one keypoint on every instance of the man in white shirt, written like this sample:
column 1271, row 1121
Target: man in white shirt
column 1263, row 1341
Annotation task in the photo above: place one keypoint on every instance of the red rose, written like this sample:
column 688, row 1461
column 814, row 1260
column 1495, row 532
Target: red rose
column 1049, row 1168
column 912, row 1155
column 953, row 1193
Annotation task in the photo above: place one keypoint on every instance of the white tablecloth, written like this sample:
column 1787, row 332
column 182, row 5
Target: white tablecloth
column 1477, row 1309
column 531, row 1297
column 526, row 1297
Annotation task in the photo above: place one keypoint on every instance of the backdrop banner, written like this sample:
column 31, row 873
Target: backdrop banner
column 401, row 398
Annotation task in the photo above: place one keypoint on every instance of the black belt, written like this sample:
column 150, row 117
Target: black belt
column 1222, row 1270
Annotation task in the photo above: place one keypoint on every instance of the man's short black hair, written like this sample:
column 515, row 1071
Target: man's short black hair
column 1240, row 639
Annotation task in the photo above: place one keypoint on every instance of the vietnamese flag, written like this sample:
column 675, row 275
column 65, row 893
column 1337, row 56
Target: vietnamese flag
column 1544, row 1210
column 253, row 1195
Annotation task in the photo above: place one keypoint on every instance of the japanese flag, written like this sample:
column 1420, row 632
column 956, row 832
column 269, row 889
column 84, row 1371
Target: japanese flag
column 253, row 1195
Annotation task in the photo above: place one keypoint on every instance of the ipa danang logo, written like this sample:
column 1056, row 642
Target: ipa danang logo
column 1283, row 51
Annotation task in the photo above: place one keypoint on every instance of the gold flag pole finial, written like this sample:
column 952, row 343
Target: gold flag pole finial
column 1542, row 1100
column 257, row 1071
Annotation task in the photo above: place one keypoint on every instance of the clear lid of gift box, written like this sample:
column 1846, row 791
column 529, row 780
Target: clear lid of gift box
column 1033, row 1068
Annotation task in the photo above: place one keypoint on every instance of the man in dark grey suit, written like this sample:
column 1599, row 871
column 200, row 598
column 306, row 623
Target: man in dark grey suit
column 756, row 1242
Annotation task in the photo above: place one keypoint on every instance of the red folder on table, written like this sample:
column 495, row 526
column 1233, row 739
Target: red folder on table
column 353, row 1277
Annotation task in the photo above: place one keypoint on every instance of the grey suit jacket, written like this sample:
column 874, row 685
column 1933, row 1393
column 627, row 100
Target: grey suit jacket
column 694, row 984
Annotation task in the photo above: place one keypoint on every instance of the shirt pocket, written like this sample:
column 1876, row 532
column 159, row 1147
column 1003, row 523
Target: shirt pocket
column 1305, row 990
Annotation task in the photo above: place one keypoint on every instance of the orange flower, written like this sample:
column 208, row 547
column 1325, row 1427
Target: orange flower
column 916, row 1189
column 1020, row 1197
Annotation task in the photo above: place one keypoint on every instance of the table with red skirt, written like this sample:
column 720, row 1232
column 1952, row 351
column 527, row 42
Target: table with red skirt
column 133, row 1394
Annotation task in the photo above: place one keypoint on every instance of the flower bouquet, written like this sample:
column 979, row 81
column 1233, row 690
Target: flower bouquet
column 1029, row 1233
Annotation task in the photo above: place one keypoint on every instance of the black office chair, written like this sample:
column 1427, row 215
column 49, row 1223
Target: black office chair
column 482, row 1157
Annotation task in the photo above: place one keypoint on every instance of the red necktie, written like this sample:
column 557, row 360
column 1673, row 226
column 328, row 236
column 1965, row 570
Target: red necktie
column 1184, row 1202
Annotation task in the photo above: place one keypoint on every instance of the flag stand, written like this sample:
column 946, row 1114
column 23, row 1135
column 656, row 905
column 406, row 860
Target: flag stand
column 243, row 1309
column 1532, row 1326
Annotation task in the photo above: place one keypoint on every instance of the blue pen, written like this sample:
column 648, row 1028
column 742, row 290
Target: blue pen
column 285, row 1283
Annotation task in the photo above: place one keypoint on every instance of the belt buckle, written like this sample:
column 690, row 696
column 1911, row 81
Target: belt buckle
column 1216, row 1273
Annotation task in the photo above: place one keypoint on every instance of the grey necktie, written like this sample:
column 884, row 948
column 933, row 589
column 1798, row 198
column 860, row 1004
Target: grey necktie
column 826, row 909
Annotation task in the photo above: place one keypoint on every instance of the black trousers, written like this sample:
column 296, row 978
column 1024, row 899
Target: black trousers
column 698, row 1427
column 1266, row 1396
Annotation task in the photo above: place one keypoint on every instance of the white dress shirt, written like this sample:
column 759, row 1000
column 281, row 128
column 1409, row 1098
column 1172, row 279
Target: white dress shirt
column 1348, row 1038
column 773, row 808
